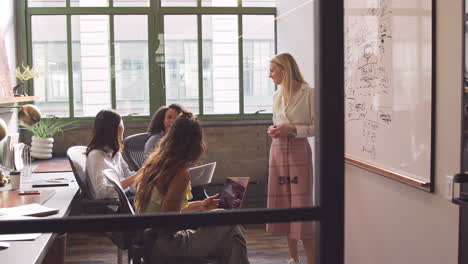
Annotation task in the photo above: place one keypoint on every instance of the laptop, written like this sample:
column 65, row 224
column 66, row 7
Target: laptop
column 233, row 193
column 202, row 175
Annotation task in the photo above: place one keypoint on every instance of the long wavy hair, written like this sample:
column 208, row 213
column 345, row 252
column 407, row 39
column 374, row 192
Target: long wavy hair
column 105, row 132
column 291, row 74
column 156, row 124
column 183, row 145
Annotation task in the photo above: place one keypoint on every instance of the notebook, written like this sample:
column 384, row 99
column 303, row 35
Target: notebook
column 33, row 209
column 53, row 166
column 202, row 175
column 233, row 193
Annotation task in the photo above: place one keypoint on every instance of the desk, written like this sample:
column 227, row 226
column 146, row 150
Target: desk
column 26, row 252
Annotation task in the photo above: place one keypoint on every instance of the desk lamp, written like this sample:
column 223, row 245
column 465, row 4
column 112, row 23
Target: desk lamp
column 28, row 115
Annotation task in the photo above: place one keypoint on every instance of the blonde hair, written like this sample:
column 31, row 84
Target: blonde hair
column 291, row 74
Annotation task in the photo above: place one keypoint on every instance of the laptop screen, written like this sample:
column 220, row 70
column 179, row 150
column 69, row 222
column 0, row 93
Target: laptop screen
column 202, row 175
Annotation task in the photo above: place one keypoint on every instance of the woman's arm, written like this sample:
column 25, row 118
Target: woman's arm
column 193, row 206
column 299, row 131
column 128, row 181
column 208, row 204
column 308, row 130
column 126, row 172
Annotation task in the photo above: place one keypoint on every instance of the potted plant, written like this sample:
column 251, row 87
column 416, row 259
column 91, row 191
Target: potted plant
column 26, row 74
column 43, row 131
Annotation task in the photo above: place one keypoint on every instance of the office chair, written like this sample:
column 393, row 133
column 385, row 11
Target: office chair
column 77, row 158
column 124, row 240
column 134, row 147
column 140, row 243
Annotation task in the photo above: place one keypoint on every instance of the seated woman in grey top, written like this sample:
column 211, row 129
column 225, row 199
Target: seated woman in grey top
column 160, row 125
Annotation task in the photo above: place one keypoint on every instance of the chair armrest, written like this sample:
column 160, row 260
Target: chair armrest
column 112, row 209
column 100, row 206
column 100, row 202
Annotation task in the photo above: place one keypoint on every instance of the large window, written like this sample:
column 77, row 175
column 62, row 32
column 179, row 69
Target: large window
column 134, row 57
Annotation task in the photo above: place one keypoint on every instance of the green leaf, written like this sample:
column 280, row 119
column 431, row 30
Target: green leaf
column 48, row 127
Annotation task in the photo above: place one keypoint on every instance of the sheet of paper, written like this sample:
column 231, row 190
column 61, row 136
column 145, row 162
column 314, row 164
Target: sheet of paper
column 20, row 237
column 28, row 210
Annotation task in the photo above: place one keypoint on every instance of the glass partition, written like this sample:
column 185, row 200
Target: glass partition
column 229, row 71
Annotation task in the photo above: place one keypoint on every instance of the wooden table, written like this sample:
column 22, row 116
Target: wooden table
column 34, row 251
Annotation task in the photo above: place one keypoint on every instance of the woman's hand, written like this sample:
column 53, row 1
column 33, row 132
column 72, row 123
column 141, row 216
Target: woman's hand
column 269, row 130
column 281, row 130
column 210, row 203
column 236, row 203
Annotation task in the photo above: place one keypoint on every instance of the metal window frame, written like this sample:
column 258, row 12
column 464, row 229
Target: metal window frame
column 330, row 164
column 155, row 13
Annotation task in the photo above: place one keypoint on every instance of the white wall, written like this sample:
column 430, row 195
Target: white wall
column 7, row 25
column 389, row 222
column 294, row 17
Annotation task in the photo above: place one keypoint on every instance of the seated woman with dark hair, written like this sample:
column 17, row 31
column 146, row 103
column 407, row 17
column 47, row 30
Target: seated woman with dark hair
column 160, row 124
column 103, row 152
column 163, row 185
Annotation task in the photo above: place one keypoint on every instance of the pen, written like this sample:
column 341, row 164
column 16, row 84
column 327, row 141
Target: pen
column 49, row 185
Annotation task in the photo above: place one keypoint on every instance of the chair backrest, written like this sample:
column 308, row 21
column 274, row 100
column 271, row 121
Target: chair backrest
column 77, row 157
column 124, row 204
column 134, row 147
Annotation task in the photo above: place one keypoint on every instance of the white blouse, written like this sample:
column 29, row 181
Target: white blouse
column 96, row 162
column 300, row 112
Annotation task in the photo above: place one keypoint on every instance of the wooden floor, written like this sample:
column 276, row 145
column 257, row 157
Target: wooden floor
column 93, row 248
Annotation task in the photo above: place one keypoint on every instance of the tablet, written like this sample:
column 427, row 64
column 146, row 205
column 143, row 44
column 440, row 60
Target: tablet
column 233, row 193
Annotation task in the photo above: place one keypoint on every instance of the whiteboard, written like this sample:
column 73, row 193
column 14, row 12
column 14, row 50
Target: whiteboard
column 389, row 87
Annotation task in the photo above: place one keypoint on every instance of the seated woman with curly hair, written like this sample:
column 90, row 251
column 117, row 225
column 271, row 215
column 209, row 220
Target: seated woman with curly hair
column 163, row 185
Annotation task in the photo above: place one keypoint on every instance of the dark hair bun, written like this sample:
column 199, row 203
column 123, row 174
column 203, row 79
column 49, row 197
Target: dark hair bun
column 186, row 114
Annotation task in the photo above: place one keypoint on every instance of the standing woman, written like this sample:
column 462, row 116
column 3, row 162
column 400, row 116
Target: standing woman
column 160, row 125
column 290, row 169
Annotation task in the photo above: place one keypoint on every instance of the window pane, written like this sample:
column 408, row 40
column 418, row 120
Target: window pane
column 91, row 71
column 131, row 64
column 181, row 54
column 179, row 3
column 259, row 3
column 220, row 64
column 49, row 54
column 219, row 2
column 259, row 48
column 46, row 3
column 131, row 3
column 89, row 2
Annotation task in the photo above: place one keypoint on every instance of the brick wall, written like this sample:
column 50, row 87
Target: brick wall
column 239, row 149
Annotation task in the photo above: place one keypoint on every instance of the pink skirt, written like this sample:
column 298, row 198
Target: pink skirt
column 290, row 183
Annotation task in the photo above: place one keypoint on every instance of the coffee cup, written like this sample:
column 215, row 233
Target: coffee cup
column 15, row 180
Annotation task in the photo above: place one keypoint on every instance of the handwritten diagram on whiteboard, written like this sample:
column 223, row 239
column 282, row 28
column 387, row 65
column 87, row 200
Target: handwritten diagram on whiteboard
column 388, row 86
